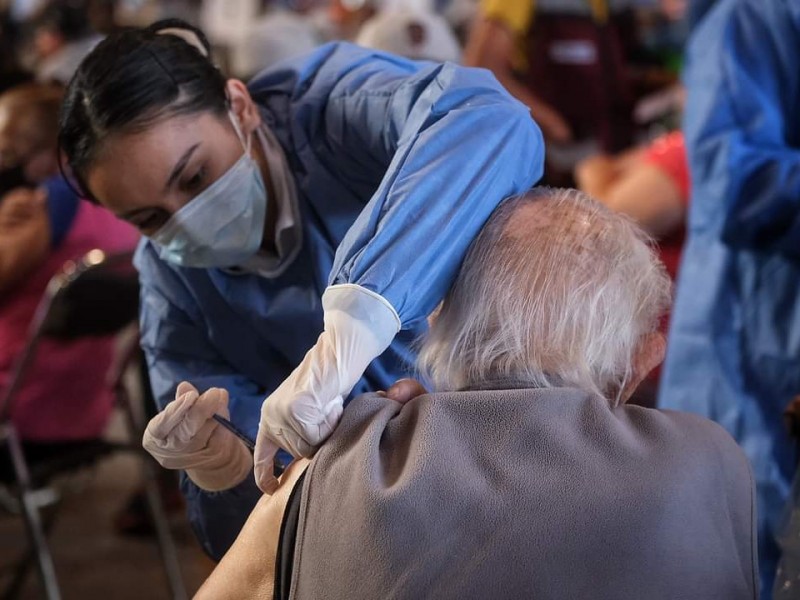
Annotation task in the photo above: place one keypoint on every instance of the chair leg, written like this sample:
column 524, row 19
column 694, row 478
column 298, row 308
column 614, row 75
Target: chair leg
column 30, row 513
column 166, row 544
column 14, row 588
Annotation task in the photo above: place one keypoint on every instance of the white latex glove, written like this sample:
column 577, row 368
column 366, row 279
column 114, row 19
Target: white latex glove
column 303, row 411
column 184, row 436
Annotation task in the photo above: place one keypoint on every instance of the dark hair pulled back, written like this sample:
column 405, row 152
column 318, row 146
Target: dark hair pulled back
column 132, row 79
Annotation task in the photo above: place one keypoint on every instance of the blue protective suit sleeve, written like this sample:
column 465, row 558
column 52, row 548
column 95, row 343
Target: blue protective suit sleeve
column 741, row 124
column 177, row 349
column 454, row 144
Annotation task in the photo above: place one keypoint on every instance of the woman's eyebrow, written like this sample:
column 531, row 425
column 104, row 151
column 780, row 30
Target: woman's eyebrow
column 180, row 165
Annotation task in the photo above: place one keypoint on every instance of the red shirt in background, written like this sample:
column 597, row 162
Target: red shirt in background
column 668, row 153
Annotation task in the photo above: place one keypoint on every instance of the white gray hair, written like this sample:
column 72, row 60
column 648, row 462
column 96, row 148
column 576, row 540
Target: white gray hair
column 555, row 291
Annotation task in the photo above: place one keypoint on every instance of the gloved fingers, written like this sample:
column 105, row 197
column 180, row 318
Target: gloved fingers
column 304, row 438
column 282, row 438
column 213, row 401
column 191, row 439
column 263, row 463
column 312, row 424
column 300, row 425
column 294, row 444
column 198, row 451
column 161, row 426
column 324, row 429
column 219, row 396
column 171, row 452
column 186, row 424
column 183, row 387
column 214, row 474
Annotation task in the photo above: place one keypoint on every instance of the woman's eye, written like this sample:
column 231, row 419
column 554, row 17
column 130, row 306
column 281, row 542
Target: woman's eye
column 196, row 181
column 152, row 221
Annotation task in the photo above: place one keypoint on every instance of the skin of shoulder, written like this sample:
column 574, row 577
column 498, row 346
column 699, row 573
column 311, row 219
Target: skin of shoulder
column 247, row 570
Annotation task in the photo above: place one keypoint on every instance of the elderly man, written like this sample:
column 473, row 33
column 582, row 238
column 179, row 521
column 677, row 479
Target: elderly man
column 524, row 474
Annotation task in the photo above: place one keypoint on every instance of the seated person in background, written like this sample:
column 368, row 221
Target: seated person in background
column 43, row 225
column 413, row 33
column 277, row 35
column 62, row 37
column 524, row 474
column 650, row 185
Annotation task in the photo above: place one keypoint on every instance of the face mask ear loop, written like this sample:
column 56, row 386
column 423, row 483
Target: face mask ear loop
column 247, row 145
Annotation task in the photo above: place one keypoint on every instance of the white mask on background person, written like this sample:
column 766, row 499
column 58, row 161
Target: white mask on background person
column 223, row 226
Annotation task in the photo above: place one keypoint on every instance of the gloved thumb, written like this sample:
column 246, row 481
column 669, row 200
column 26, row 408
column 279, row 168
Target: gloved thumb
column 263, row 464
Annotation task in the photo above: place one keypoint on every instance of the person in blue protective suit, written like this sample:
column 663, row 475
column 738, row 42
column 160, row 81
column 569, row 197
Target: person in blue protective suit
column 734, row 347
column 300, row 230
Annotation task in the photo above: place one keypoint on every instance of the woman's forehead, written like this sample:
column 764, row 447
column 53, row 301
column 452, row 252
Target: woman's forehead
column 167, row 132
column 133, row 167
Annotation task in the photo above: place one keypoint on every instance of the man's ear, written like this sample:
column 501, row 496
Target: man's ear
column 649, row 354
column 242, row 105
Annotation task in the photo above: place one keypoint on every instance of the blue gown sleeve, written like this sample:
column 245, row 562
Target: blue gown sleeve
column 451, row 144
column 177, row 349
column 742, row 124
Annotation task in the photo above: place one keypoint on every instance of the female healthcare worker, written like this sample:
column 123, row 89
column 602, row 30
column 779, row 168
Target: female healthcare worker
column 301, row 229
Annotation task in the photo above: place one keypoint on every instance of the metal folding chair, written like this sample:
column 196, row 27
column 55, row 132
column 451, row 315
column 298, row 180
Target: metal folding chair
column 97, row 295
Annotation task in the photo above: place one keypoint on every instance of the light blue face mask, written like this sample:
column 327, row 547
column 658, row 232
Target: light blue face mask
column 223, row 225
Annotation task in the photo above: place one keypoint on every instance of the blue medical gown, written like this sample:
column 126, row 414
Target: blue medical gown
column 734, row 347
column 398, row 164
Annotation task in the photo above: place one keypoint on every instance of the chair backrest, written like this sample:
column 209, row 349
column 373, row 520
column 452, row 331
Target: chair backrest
column 97, row 295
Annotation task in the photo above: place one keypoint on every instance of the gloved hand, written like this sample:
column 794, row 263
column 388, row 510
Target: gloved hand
column 303, row 411
column 184, row 436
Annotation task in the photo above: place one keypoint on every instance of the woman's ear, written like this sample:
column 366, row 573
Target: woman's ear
column 242, row 105
column 649, row 354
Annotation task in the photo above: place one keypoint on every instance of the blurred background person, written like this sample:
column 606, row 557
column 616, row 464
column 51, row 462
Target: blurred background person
column 135, row 13
column 11, row 71
column 43, row 224
column 275, row 35
column 567, row 60
column 62, row 37
column 734, row 345
column 343, row 19
column 579, row 65
column 650, row 184
column 418, row 34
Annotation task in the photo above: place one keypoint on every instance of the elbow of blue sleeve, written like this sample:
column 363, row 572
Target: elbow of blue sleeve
column 531, row 141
